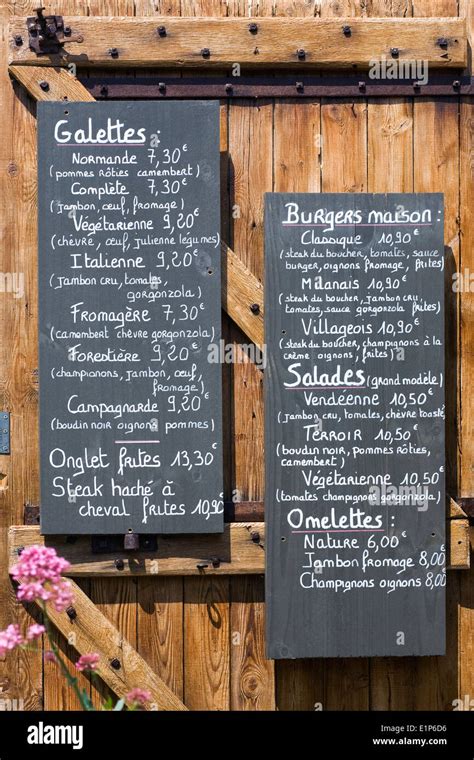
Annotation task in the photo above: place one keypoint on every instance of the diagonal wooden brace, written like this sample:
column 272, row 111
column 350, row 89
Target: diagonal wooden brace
column 91, row 631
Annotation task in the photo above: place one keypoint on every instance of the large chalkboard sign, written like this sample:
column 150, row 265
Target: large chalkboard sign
column 129, row 297
column 354, row 425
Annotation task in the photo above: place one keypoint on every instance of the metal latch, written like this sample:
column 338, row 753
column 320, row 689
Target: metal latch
column 4, row 432
column 46, row 33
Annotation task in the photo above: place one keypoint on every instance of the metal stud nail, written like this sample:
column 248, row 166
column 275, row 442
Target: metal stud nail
column 44, row 85
column 162, row 87
column 347, row 31
column 162, row 31
column 255, row 308
column 253, row 28
column 299, row 87
column 18, row 39
column 394, row 52
column 206, row 53
column 71, row 613
column 115, row 663
column 301, row 54
column 119, row 564
column 113, row 52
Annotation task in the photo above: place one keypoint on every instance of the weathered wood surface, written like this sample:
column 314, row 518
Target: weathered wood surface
column 238, row 551
column 223, row 41
column 91, row 631
column 50, row 84
column 234, row 552
column 253, row 134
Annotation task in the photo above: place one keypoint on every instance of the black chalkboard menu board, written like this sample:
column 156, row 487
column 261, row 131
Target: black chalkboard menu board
column 354, row 425
column 129, row 302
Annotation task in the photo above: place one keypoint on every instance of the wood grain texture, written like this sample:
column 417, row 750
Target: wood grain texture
column 252, row 682
column 61, row 85
column 207, row 644
column 466, row 316
column 228, row 40
column 436, row 165
column 297, row 168
column 160, row 628
column 21, row 673
column 344, row 169
column 237, row 553
column 92, row 631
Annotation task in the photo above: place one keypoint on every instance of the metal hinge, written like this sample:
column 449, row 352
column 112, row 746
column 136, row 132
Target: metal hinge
column 46, row 33
column 4, row 432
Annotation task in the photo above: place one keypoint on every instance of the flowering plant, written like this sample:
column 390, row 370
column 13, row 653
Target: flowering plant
column 38, row 573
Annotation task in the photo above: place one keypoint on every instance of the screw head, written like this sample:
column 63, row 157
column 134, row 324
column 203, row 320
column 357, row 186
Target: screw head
column 18, row 39
column 255, row 536
column 115, row 663
column 104, row 90
column 119, row 564
column 113, row 52
column 44, row 86
column 362, row 86
column 443, row 42
column 456, row 84
column 253, row 28
column 394, row 52
column 255, row 308
column 162, row 31
column 229, row 88
column 71, row 613
column 347, row 31
column 161, row 87
column 206, row 53
column 301, row 54
column 67, row 31
column 299, row 87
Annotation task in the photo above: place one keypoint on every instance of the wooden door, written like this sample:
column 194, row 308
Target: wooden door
column 204, row 635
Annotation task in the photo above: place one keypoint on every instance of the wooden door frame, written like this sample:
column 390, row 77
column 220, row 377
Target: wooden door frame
column 183, row 42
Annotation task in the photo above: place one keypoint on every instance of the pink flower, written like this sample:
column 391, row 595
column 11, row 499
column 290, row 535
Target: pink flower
column 38, row 573
column 10, row 638
column 88, row 661
column 35, row 631
column 49, row 656
column 137, row 697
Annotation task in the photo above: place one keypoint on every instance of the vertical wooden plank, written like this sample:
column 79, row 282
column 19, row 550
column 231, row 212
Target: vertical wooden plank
column 160, row 610
column 344, row 170
column 21, row 673
column 435, row 8
column 117, row 600
column 436, row 169
column 206, row 643
column 160, row 628
column 252, row 675
column 297, row 135
column 390, row 153
column 206, row 601
column 466, row 265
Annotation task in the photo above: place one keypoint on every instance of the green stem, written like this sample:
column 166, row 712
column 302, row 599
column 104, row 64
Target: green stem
column 72, row 682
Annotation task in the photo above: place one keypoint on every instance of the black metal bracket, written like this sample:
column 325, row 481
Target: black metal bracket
column 115, row 544
column 4, row 432
column 46, row 33
column 350, row 85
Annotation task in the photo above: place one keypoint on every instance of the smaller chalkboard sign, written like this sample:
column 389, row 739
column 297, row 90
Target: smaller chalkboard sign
column 354, row 425
column 129, row 297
